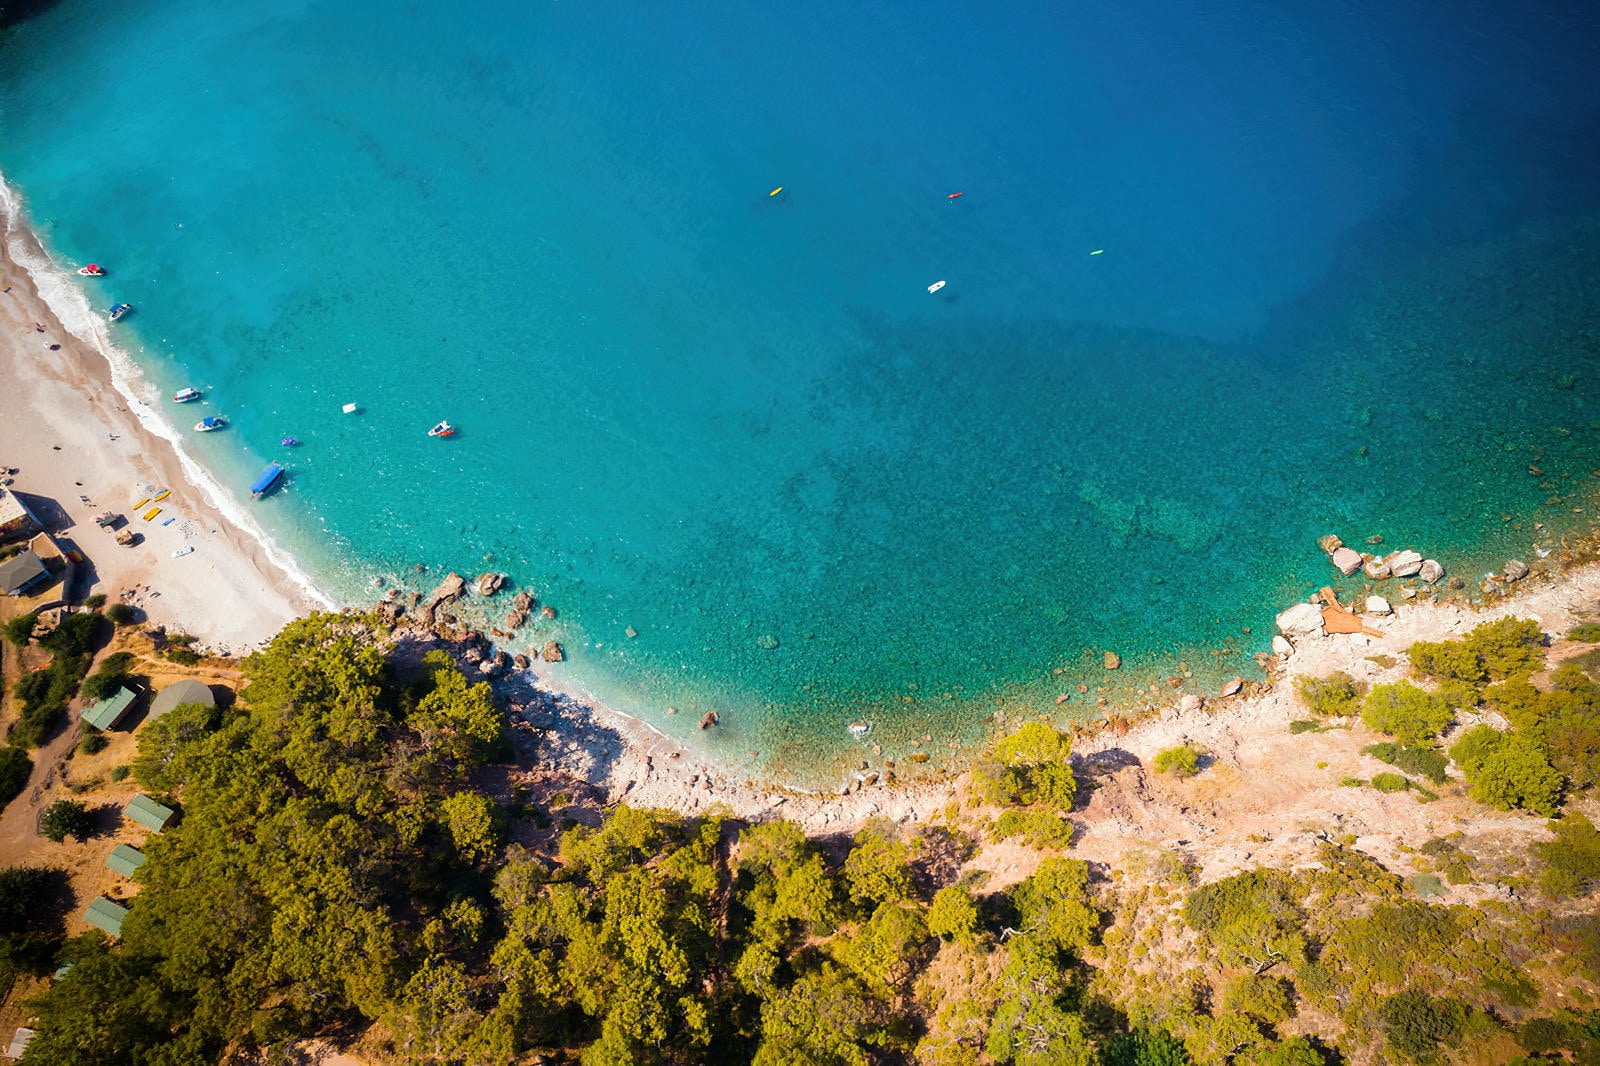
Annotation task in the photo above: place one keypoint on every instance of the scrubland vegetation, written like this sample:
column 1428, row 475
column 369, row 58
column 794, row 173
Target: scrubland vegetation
column 349, row 859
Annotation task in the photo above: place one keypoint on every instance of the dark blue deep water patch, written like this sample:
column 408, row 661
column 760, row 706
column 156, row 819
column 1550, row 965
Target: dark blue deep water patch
column 1221, row 279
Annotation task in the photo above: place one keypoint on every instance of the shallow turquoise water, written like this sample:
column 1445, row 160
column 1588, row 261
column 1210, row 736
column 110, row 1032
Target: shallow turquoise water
column 1343, row 276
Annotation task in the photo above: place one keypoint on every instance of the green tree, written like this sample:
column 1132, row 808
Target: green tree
column 1143, row 1048
column 826, row 1018
column 954, row 914
column 1030, row 766
column 1516, row 773
column 1405, row 712
column 20, row 629
column 65, row 818
column 33, row 907
column 459, row 720
column 15, row 769
column 473, row 822
column 1253, row 919
column 1572, row 859
column 889, row 948
column 877, row 869
column 1449, row 660
column 1266, row 999
column 1508, row 646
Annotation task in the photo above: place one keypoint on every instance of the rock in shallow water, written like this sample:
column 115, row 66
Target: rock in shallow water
column 1347, row 560
column 1430, row 571
column 1378, row 605
column 1113, row 660
column 1404, row 563
column 1516, row 570
column 1303, row 619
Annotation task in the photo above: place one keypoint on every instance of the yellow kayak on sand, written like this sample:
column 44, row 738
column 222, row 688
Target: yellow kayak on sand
column 163, row 494
column 151, row 513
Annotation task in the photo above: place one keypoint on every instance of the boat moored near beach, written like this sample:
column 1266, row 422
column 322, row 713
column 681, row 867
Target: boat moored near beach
column 93, row 270
column 443, row 429
column 118, row 311
column 209, row 423
column 267, row 481
column 185, row 395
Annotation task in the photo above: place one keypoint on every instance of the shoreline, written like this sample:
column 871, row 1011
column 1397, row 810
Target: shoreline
column 76, row 428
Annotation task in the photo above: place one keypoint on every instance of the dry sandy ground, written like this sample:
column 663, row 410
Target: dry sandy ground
column 70, row 433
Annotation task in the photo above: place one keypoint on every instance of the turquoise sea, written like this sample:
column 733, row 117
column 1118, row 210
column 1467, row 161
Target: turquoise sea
column 1222, row 278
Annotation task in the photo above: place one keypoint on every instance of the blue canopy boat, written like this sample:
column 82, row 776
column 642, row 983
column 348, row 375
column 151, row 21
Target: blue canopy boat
column 118, row 310
column 268, row 479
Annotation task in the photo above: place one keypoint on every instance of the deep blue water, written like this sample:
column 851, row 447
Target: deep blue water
column 1347, row 257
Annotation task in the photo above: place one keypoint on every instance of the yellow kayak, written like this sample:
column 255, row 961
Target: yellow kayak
column 151, row 513
column 776, row 191
column 140, row 504
column 163, row 494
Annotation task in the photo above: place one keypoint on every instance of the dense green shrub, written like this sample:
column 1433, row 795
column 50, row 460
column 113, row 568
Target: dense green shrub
column 1182, row 761
column 113, row 674
column 1450, row 860
column 1572, row 859
column 1304, row 725
column 1266, row 999
column 93, row 741
column 1405, row 712
column 121, row 614
column 95, row 601
column 1424, row 762
column 78, row 634
column 1493, row 651
column 42, row 698
column 120, row 773
column 954, row 914
column 1416, row 1024
column 15, row 769
column 1588, row 633
column 1390, row 782
column 181, row 656
column 1447, row 659
column 67, row 818
column 1039, row 829
column 1336, row 696
column 1143, row 1048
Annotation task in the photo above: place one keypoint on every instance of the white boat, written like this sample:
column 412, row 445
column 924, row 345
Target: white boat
column 119, row 310
column 93, row 270
column 349, row 408
column 185, row 395
column 181, row 552
column 443, row 429
column 935, row 287
column 209, row 423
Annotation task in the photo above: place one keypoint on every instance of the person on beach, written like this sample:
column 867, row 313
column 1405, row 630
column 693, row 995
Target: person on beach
column 39, row 326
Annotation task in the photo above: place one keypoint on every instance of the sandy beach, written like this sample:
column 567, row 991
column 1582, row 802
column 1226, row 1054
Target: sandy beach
column 72, row 436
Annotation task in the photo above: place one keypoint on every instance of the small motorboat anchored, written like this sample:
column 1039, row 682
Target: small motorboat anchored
column 93, row 270
column 267, row 481
column 443, row 429
column 185, row 395
column 209, row 423
column 118, row 311
column 289, row 442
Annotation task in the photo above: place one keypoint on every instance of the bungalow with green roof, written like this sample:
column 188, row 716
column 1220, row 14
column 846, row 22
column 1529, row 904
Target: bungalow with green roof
column 148, row 813
column 106, row 713
column 103, row 914
column 124, row 859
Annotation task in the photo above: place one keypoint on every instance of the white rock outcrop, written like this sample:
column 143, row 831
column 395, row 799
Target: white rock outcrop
column 1430, row 571
column 1301, row 620
column 1404, row 563
column 1281, row 646
column 1378, row 605
column 1347, row 560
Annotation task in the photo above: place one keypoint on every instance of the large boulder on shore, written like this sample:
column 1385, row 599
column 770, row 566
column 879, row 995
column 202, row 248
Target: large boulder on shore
column 1347, row 560
column 1404, row 563
column 552, row 652
column 1516, row 570
column 1301, row 620
column 1378, row 605
column 489, row 584
column 1430, row 571
column 1376, row 569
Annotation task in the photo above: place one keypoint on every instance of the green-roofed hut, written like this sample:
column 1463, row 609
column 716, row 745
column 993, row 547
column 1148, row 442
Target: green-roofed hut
column 103, row 914
column 148, row 813
column 109, row 711
column 124, row 859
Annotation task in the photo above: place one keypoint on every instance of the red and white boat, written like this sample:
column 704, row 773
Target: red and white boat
column 185, row 395
column 93, row 270
column 443, row 429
